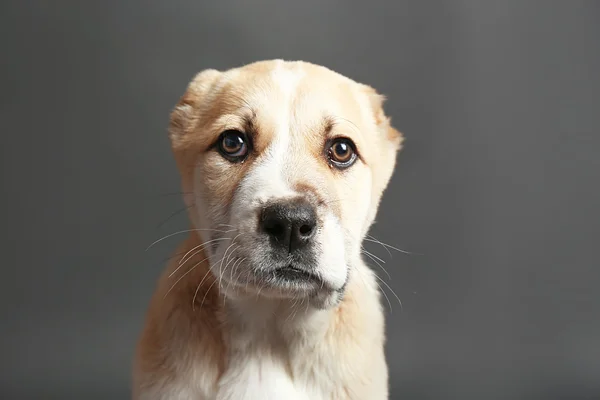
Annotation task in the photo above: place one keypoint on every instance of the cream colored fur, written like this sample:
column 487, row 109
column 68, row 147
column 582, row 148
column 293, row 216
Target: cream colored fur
column 210, row 337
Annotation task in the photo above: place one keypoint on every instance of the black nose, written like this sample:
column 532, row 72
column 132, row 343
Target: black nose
column 291, row 224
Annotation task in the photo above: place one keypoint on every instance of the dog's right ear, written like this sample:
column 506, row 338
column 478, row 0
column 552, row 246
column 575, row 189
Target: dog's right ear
column 184, row 117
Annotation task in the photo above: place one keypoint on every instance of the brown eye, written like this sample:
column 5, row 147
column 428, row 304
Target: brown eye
column 233, row 145
column 341, row 153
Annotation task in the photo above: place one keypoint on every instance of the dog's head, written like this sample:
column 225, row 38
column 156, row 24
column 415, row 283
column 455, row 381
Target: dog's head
column 283, row 166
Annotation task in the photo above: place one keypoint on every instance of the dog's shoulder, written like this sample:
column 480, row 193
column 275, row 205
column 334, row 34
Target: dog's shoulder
column 181, row 349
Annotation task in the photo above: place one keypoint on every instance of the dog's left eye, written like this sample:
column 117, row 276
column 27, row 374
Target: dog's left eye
column 341, row 153
column 233, row 145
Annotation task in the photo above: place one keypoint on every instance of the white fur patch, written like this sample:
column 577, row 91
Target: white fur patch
column 287, row 79
column 267, row 179
column 258, row 378
column 332, row 266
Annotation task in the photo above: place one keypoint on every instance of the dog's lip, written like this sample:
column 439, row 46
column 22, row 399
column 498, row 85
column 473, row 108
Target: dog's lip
column 293, row 273
column 291, row 279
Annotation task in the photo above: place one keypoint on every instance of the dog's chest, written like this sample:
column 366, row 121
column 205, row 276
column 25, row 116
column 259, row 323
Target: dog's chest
column 261, row 378
column 261, row 374
column 261, row 366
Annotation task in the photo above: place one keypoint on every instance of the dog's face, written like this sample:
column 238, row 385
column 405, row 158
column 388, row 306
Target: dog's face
column 283, row 165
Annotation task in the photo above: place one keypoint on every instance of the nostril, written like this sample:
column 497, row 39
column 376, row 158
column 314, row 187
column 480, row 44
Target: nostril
column 274, row 228
column 289, row 224
column 305, row 230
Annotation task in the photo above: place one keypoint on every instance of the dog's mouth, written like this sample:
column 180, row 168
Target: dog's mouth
column 289, row 278
column 294, row 274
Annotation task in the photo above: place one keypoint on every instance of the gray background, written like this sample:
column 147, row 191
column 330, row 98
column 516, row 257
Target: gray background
column 498, row 186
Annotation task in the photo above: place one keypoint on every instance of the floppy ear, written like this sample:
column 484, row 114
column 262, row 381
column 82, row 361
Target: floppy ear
column 383, row 122
column 184, row 117
column 388, row 142
column 184, row 130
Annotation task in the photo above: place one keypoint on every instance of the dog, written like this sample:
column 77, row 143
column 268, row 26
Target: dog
column 283, row 165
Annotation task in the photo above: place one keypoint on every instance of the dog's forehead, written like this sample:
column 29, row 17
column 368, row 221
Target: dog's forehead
column 287, row 80
column 297, row 99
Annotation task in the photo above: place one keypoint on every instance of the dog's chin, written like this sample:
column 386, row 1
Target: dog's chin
column 285, row 283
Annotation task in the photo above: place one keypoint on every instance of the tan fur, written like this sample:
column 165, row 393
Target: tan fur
column 187, row 345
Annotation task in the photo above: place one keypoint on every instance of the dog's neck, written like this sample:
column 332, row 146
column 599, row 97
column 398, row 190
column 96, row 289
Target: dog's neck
column 260, row 321
column 276, row 320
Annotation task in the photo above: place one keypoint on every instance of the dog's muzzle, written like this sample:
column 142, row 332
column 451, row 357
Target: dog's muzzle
column 290, row 228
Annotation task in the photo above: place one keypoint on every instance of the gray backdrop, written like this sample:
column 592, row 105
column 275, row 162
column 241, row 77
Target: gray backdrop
column 498, row 186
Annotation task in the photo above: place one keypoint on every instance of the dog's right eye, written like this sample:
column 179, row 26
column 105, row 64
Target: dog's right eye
column 233, row 145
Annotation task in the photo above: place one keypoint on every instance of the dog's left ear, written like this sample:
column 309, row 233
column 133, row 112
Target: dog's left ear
column 388, row 143
column 394, row 136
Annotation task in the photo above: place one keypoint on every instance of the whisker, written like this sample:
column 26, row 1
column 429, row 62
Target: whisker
column 391, row 290
column 183, row 231
column 198, row 288
column 200, row 284
column 379, row 265
column 261, row 286
column 226, row 250
column 183, row 276
column 229, row 259
column 206, row 294
column 370, row 238
column 164, row 260
column 292, row 311
column 362, row 278
column 181, row 264
column 358, row 273
column 386, row 296
column 378, row 242
column 222, row 272
column 234, row 266
column 174, row 214
column 371, row 254
column 203, row 245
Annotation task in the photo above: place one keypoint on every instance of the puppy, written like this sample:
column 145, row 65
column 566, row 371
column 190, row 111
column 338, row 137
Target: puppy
column 283, row 165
